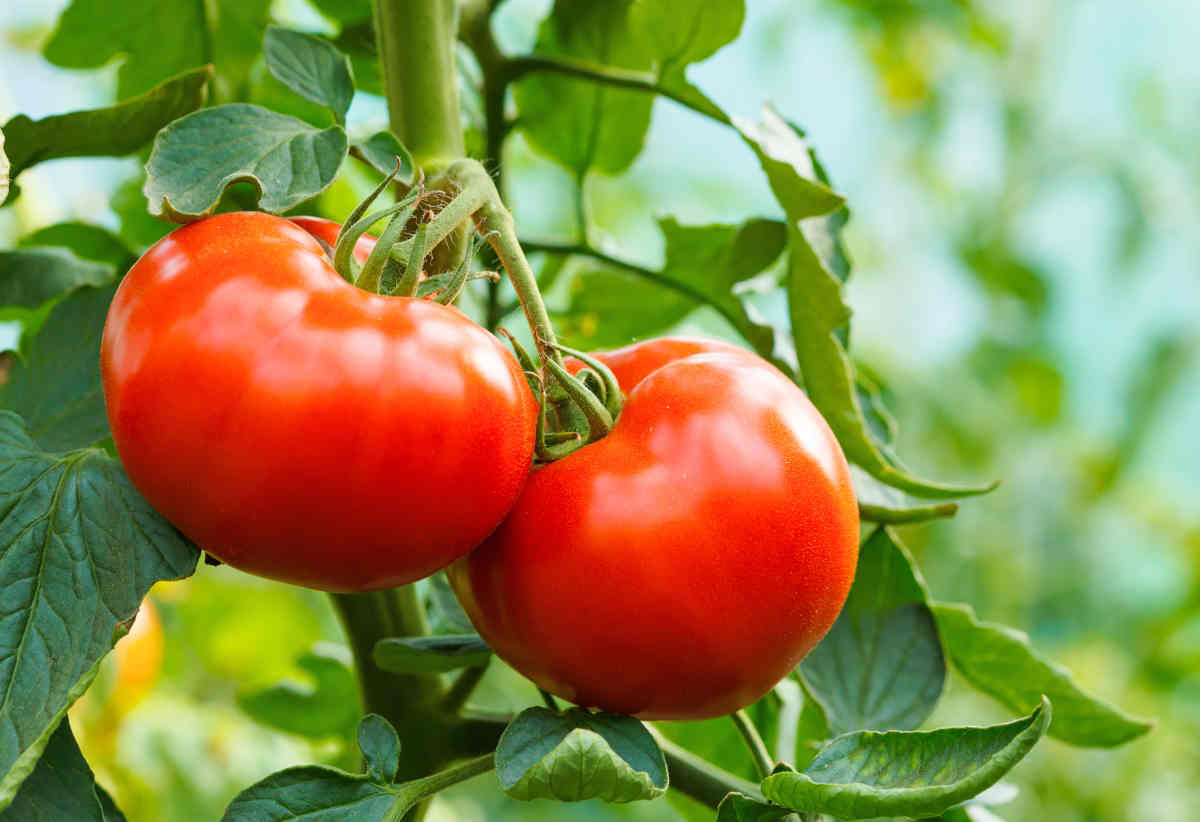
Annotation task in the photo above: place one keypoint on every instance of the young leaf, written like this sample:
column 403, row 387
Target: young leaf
column 56, row 387
column 381, row 151
column 431, row 654
column 890, row 506
column 105, row 132
column 737, row 807
column 196, row 157
column 881, row 666
column 326, row 707
column 819, row 315
column 87, row 241
column 380, row 746
column 311, row 67
column 158, row 38
column 79, row 548
column 1000, row 662
column 906, row 773
column 61, row 787
column 30, row 277
column 579, row 755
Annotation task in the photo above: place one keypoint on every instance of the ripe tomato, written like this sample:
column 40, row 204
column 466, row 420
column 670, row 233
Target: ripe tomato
column 684, row 564
column 327, row 231
column 302, row 429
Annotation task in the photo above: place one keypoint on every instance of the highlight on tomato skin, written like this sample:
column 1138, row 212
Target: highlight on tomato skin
column 302, row 429
column 684, row 564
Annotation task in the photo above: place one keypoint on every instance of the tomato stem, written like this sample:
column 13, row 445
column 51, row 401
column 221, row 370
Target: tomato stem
column 754, row 742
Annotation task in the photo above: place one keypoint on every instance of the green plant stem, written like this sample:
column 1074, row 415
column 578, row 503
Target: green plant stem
column 754, row 742
column 462, row 688
column 416, row 49
column 632, row 79
column 429, row 785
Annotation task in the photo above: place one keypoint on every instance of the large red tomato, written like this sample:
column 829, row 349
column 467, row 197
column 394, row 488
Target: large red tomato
column 300, row 428
column 684, row 564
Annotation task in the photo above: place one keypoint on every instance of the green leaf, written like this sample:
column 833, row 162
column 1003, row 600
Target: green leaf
column 312, row 67
column 61, row 787
column 159, row 38
column 906, row 773
column 380, row 746
column 431, row 654
column 445, row 612
column 891, row 506
column 881, row 666
column 87, row 241
column 345, row 12
column 326, row 705
column 380, row 151
column 56, row 386
column 104, row 132
column 196, row 157
column 79, row 548
column 31, row 277
column 1000, row 662
column 579, row 755
column 819, row 315
column 737, row 807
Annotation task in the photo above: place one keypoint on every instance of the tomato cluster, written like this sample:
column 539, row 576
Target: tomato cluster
column 302, row 429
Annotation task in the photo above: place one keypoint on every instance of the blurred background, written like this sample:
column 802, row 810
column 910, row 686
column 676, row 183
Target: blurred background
column 1025, row 195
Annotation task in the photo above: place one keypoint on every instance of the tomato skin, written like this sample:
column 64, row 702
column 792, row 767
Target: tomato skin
column 684, row 564
column 302, row 429
column 327, row 230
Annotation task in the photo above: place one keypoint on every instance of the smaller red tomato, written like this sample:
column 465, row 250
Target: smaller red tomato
column 327, row 231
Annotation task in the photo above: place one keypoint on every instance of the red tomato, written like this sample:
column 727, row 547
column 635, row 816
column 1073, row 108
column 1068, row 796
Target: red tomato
column 302, row 429
column 327, row 230
column 684, row 564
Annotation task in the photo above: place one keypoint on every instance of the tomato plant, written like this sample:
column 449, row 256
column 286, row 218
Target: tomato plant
column 319, row 399
column 619, row 580
column 679, row 529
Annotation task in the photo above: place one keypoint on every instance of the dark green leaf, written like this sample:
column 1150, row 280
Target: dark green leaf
column 198, row 156
column 431, row 654
column 79, row 548
column 380, row 150
column 737, row 807
column 380, row 746
column 325, row 706
column 56, row 387
column 906, row 773
column 311, row 67
column 579, row 755
column 1000, row 662
column 90, row 242
column 104, row 132
column 891, row 506
column 881, row 665
column 159, row 38
column 819, row 315
column 314, row 794
column 31, row 277
column 61, row 787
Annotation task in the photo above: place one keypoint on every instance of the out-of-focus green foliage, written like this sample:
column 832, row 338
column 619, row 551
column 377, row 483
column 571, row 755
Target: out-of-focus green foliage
column 1025, row 191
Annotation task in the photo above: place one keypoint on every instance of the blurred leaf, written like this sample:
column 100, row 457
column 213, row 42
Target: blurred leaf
column 737, row 807
column 431, row 654
column 160, row 38
column 31, row 277
column 139, row 228
column 883, row 504
column 818, row 312
column 79, row 548
column 325, row 706
column 381, row 150
column 357, row 41
column 346, row 12
column 906, row 773
column 578, row 755
column 311, row 67
column 881, row 666
column 61, row 787
column 104, row 132
column 992, row 260
column 56, row 387
column 90, row 242
column 999, row 661
column 196, row 157
column 445, row 613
